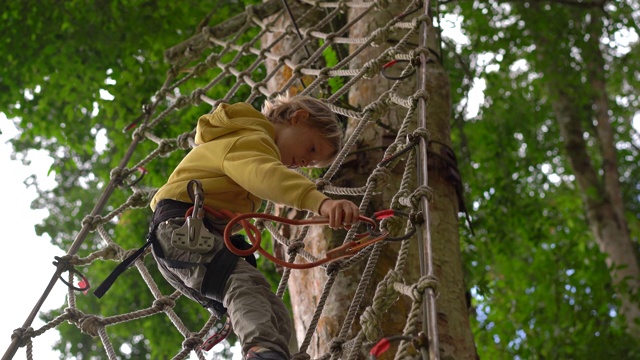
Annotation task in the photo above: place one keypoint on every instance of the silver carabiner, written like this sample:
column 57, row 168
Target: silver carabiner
column 193, row 235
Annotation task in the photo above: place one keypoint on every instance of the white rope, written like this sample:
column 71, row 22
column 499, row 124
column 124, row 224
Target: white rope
column 169, row 99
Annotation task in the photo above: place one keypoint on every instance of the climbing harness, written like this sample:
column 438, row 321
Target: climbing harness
column 193, row 236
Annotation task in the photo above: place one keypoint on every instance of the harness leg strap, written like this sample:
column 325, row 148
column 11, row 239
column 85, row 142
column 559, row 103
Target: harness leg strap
column 220, row 268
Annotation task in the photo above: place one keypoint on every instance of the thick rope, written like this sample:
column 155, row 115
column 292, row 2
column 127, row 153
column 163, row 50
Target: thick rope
column 229, row 60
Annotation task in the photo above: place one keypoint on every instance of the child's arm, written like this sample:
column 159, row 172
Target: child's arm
column 340, row 212
column 255, row 166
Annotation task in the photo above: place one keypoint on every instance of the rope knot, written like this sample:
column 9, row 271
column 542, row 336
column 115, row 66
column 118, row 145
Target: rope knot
column 189, row 52
column 283, row 59
column 250, row 12
column 420, row 94
column 74, row 315
column 165, row 147
column 181, row 102
column 138, row 199
column 24, row 335
column 343, row 6
column 164, row 303
column 116, row 173
column 334, row 267
column 139, row 133
column 260, row 84
column 125, row 254
column 92, row 221
column 111, row 252
column 425, row 282
column 322, row 183
column 295, row 247
column 419, row 19
column 416, row 218
column 124, row 177
column 199, row 69
column 330, row 37
column 260, row 224
column 182, row 142
column 376, row 109
column 191, row 342
column 423, row 133
column 402, row 197
column 324, row 73
column 371, row 324
column 336, row 345
column 66, row 262
column 195, row 96
column 308, row 31
column 394, row 225
column 379, row 36
column 206, row 32
column 90, row 324
column 297, row 71
column 380, row 178
column 388, row 293
column 372, row 68
column 419, row 193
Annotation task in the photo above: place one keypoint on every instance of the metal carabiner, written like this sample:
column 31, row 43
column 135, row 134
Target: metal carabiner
column 383, row 214
column 345, row 250
column 193, row 235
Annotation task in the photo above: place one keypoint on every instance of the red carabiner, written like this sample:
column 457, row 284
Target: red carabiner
column 346, row 250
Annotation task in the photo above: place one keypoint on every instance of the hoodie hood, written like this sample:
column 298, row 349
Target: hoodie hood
column 219, row 123
column 238, row 163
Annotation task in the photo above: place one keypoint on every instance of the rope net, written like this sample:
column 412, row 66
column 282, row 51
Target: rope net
column 310, row 48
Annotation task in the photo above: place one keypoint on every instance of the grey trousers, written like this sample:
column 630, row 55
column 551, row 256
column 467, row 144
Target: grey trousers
column 258, row 316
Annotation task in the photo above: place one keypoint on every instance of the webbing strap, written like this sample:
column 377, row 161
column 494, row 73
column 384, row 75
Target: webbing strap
column 165, row 210
column 220, row 268
column 124, row 265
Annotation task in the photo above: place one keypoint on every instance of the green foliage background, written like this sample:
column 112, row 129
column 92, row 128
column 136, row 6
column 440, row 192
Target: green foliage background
column 539, row 283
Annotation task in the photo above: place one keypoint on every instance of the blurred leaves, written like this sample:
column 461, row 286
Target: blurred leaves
column 540, row 284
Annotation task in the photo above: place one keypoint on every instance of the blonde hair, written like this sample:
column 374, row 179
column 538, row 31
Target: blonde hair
column 321, row 118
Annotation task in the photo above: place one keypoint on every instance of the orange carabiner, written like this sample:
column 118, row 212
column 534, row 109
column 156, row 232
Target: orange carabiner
column 346, row 250
column 253, row 233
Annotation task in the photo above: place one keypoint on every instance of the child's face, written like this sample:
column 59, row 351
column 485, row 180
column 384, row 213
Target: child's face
column 301, row 145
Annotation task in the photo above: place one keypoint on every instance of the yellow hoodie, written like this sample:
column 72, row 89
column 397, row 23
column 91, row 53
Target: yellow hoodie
column 238, row 163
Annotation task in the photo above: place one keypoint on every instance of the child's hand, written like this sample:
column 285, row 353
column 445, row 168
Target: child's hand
column 339, row 212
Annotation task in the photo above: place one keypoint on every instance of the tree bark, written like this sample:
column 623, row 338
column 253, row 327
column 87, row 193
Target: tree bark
column 306, row 286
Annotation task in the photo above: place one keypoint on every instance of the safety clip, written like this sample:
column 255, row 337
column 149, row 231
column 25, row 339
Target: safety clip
column 193, row 235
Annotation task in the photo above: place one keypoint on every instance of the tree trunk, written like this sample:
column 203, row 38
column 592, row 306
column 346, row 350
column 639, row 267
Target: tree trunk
column 609, row 229
column 307, row 286
column 600, row 190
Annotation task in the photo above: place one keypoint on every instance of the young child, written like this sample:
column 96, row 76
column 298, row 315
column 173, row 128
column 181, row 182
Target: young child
column 244, row 156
